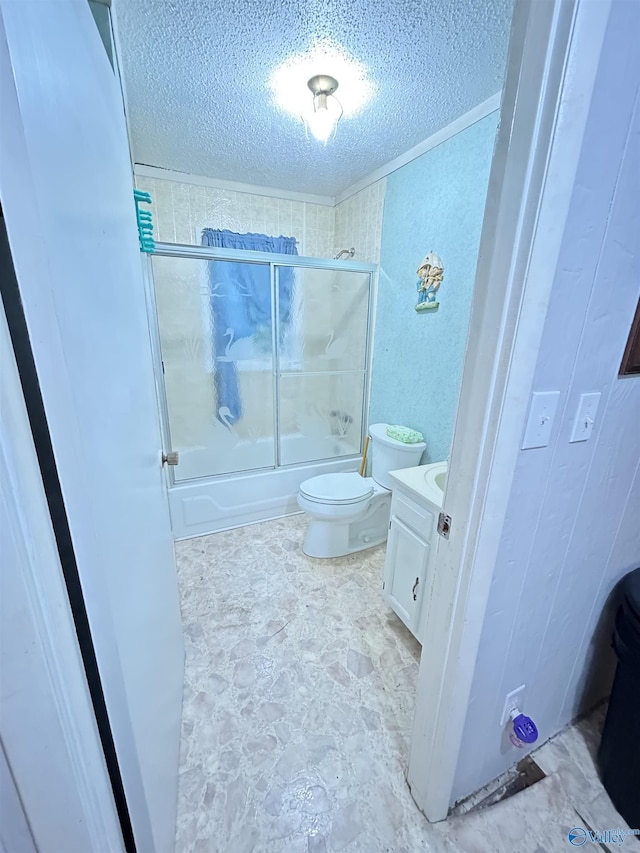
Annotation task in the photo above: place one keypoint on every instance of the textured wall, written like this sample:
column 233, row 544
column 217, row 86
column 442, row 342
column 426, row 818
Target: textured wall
column 182, row 210
column 433, row 203
column 359, row 222
column 571, row 529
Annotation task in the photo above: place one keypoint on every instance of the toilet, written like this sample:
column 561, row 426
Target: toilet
column 349, row 513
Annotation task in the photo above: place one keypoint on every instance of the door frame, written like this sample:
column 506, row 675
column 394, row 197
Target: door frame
column 553, row 59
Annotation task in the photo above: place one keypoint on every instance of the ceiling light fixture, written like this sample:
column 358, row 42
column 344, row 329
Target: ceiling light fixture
column 322, row 117
column 290, row 90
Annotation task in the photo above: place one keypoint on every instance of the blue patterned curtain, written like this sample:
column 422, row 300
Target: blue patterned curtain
column 240, row 295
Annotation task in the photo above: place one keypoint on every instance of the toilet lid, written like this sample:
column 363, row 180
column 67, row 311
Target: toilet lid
column 337, row 488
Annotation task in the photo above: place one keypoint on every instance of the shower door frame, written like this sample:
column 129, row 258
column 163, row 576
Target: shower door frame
column 272, row 260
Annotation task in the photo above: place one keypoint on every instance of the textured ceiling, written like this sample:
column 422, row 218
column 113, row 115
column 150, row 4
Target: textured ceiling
column 197, row 81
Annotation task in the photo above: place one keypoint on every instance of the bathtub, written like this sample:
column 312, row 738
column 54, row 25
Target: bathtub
column 201, row 505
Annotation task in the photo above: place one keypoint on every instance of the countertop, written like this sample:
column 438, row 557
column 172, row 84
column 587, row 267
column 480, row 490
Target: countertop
column 421, row 481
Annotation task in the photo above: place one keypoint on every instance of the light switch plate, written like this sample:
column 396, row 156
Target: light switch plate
column 585, row 416
column 541, row 414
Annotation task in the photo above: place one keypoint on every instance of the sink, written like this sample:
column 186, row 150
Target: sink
column 435, row 477
column 426, row 481
column 440, row 480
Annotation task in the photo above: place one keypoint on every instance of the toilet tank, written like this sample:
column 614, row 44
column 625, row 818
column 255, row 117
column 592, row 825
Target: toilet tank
column 389, row 454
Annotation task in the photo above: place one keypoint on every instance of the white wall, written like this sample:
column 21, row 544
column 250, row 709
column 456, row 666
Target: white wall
column 572, row 528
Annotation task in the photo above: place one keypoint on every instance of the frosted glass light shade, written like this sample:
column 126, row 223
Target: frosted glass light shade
column 322, row 118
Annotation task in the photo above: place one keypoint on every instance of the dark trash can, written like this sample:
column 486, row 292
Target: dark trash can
column 619, row 753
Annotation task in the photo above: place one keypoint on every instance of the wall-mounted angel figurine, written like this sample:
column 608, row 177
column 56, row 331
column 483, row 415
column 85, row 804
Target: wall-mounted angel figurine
column 431, row 273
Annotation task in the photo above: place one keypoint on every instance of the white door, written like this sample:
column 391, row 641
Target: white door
column 55, row 792
column 15, row 834
column 66, row 192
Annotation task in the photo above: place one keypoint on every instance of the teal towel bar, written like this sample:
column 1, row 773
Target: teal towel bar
column 144, row 219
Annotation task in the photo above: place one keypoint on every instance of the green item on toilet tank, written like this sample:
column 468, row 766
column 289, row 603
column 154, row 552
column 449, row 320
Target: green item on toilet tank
column 405, row 434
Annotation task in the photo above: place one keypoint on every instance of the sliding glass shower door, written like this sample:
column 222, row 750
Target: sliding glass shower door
column 264, row 362
column 322, row 365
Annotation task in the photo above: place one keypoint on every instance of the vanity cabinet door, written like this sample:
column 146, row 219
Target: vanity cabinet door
column 405, row 572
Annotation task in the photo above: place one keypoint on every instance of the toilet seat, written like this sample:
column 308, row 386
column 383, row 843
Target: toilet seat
column 337, row 489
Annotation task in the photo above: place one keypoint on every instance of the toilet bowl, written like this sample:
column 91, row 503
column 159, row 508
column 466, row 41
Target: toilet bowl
column 349, row 513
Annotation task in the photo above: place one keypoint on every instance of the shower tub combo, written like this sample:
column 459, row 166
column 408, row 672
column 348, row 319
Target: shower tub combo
column 262, row 366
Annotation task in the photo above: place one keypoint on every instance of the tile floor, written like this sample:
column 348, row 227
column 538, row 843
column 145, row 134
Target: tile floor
column 298, row 708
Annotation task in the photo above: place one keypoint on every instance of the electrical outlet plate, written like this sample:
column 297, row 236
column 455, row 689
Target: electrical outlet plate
column 512, row 701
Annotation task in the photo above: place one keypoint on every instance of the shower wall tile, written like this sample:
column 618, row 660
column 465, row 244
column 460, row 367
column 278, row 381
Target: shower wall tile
column 162, row 208
column 358, row 223
column 198, row 207
column 181, row 210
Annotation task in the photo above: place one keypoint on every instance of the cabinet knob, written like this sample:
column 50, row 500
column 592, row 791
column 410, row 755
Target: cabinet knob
column 415, row 587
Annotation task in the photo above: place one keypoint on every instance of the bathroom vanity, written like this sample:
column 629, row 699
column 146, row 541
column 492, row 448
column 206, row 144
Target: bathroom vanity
column 415, row 504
